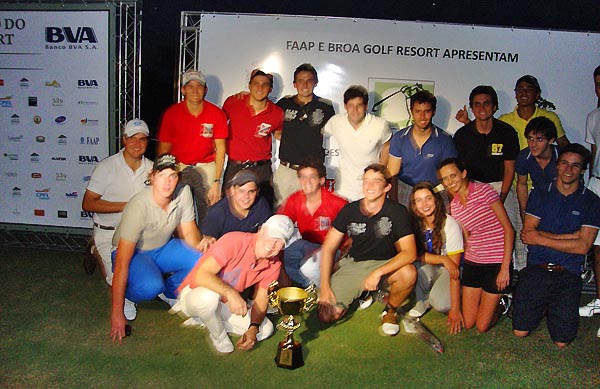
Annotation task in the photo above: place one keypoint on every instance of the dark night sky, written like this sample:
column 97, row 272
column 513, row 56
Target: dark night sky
column 160, row 34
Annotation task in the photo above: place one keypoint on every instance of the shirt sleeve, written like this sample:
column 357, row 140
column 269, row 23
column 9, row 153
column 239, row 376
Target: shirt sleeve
column 98, row 181
column 134, row 219
column 165, row 131
column 520, row 165
column 454, row 236
column 212, row 225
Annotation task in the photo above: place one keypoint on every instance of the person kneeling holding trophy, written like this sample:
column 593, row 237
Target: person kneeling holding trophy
column 211, row 293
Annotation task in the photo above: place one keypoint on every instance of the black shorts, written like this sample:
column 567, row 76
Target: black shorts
column 482, row 276
column 540, row 291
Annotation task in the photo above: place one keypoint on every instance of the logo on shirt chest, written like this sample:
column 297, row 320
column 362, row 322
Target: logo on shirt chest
column 207, row 130
column 357, row 228
column 383, row 227
column 322, row 223
column 262, row 130
column 317, row 117
column 495, row 149
column 290, row 114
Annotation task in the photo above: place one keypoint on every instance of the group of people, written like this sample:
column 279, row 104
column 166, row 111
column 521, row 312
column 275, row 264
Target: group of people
column 417, row 211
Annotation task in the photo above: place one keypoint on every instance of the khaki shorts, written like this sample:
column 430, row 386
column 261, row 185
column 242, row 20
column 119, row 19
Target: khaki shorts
column 347, row 282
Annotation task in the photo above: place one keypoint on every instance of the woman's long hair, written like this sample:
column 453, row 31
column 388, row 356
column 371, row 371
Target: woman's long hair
column 439, row 220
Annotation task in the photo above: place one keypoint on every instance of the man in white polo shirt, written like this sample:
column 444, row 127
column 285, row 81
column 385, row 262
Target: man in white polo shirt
column 114, row 181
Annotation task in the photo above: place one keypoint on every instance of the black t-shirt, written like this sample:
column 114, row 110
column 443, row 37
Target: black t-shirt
column 374, row 237
column 484, row 154
column 302, row 129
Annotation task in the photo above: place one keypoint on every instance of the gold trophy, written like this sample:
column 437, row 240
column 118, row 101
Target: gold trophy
column 290, row 302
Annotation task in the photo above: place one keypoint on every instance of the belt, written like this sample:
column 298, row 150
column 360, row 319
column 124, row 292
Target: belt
column 107, row 228
column 247, row 164
column 290, row 165
column 551, row 267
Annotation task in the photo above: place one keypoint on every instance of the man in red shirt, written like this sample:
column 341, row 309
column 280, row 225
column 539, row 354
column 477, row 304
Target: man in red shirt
column 194, row 130
column 252, row 120
column 313, row 209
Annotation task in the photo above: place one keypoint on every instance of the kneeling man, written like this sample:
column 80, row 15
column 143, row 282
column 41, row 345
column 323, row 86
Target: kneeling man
column 561, row 223
column 383, row 250
column 211, row 291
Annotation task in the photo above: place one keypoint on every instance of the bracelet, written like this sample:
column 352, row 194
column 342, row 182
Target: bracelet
column 254, row 325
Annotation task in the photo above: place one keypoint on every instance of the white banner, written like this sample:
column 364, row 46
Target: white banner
column 54, row 85
column 386, row 56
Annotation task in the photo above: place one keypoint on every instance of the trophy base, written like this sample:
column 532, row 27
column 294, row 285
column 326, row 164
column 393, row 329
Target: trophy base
column 289, row 356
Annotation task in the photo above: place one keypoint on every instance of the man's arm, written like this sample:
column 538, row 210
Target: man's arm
column 257, row 315
column 92, row 202
column 407, row 254
column 507, row 179
column 522, row 194
column 123, row 257
column 394, row 165
column 503, row 278
column 579, row 242
column 207, row 277
column 330, row 245
column 214, row 193
column 277, row 134
column 563, row 141
column 188, row 231
column 163, row 148
column 385, row 153
column 592, row 158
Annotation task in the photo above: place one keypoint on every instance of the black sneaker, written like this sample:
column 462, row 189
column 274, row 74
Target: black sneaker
column 505, row 304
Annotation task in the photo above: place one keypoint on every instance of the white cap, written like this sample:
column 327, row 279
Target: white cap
column 193, row 75
column 280, row 227
column 136, row 126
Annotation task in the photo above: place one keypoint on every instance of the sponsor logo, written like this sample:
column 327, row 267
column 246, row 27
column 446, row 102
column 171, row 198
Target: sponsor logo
column 87, row 159
column 15, row 119
column 72, row 194
column 24, row 83
column 11, row 156
column 16, row 191
column 86, row 178
column 63, row 214
column 40, row 138
column 84, row 215
column 15, row 139
column 36, row 175
column 39, row 212
column 60, row 119
column 62, row 139
column 32, row 101
column 43, row 194
column 70, row 35
column 53, row 84
column 332, row 152
column 89, row 122
column 1, row 82
column 34, row 157
column 61, row 176
column 87, row 84
column 57, row 102
column 88, row 140
column 59, row 158
column 11, row 174
column 6, row 101
column 37, row 119
column 84, row 102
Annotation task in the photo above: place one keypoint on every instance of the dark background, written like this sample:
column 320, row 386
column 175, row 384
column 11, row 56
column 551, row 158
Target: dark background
column 160, row 26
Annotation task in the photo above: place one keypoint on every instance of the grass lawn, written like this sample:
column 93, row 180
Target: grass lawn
column 54, row 333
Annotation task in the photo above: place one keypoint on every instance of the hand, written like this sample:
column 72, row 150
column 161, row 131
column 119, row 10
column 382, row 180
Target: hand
column 248, row 340
column 529, row 236
column 452, row 268
column 372, row 281
column 463, row 116
column 237, row 305
column 117, row 326
column 503, row 279
column 455, row 321
column 214, row 193
column 205, row 243
column 326, row 296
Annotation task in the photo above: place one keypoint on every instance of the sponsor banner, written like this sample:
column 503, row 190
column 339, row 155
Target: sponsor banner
column 54, row 114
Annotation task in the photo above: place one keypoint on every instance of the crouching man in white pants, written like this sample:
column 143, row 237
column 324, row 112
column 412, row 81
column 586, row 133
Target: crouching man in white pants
column 210, row 294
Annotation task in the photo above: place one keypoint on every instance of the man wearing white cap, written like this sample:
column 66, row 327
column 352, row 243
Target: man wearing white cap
column 211, row 293
column 114, row 181
column 195, row 130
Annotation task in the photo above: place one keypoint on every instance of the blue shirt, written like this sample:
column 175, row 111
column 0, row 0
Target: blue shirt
column 219, row 220
column 527, row 164
column 421, row 164
column 560, row 214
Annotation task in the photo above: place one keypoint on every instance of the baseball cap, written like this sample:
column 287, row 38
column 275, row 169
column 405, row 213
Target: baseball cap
column 136, row 126
column 193, row 75
column 530, row 80
column 242, row 178
column 258, row 72
column 165, row 161
column 280, row 227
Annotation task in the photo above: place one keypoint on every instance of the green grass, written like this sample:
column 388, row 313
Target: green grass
column 54, row 333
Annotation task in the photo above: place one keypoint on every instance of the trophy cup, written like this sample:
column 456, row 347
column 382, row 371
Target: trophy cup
column 290, row 302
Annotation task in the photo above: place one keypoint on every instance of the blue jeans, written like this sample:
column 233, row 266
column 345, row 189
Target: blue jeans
column 147, row 269
column 296, row 256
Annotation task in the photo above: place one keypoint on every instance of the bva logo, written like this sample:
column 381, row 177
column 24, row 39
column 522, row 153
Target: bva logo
column 88, row 158
column 87, row 83
column 80, row 35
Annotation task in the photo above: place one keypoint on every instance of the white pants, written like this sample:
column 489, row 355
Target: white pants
column 103, row 242
column 206, row 305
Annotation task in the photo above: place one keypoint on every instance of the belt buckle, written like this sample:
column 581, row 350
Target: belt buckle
column 550, row 267
column 246, row 164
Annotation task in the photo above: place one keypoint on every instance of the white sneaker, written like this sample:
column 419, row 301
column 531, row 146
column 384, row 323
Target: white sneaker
column 598, row 333
column 167, row 300
column 222, row 343
column 389, row 323
column 129, row 310
column 419, row 309
column 365, row 300
column 193, row 322
column 590, row 309
column 409, row 326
